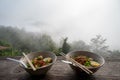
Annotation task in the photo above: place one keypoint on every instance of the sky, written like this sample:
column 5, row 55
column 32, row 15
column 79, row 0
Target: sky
column 75, row 19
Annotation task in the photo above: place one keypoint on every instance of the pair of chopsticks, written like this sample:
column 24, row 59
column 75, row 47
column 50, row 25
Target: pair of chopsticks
column 30, row 63
column 85, row 69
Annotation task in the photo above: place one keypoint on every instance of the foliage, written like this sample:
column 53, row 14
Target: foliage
column 44, row 42
column 4, row 43
column 79, row 45
column 23, row 41
column 9, row 52
column 65, row 47
column 19, row 40
column 57, row 51
column 98, row 45
column 114, row 54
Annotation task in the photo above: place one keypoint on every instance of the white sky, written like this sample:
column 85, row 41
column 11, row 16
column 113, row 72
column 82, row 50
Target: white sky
column 75, row 19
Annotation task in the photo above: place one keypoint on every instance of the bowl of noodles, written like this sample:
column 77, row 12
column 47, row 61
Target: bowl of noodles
column 42, row 61
column 90, row 60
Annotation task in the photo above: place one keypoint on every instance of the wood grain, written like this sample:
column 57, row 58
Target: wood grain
column 60, row 71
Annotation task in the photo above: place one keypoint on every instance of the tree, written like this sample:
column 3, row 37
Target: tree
column 22, row 40
column 115, row 54
column 44, row 42
column 80, row 45
column 98, row 45
column 65, row 46
column 4, row 43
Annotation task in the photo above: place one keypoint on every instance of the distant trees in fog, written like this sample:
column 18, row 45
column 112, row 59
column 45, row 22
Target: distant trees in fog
column 98, row 45
column 19, row 40
column 79, row 45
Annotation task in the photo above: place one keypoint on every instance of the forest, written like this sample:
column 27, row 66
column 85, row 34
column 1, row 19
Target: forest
column 18, row 40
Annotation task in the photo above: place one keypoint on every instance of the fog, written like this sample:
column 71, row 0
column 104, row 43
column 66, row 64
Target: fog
column 75, row 19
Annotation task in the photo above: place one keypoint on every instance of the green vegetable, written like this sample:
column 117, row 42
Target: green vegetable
column 87, row 63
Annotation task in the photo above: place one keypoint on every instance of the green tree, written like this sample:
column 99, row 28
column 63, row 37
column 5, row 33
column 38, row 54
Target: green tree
column 4, row 43
column 20, row 40
column 65, row 46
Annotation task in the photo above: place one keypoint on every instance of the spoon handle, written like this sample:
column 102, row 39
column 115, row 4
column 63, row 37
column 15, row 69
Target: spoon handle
column 68, row 62
column 18, row 61
column 13, row 59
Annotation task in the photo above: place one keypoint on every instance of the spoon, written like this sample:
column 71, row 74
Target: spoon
column 68, row 62
column 18, row 61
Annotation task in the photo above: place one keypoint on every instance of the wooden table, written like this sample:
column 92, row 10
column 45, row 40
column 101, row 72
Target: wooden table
column 60, row 71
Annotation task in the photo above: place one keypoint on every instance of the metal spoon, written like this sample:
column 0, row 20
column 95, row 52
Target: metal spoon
column 18, row 61
column 68, row 62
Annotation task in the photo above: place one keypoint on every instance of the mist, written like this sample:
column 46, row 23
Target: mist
column 75, row 19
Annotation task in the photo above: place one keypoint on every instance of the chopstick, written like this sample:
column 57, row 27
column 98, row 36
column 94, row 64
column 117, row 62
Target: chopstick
column 32, row 66
column 78, row 64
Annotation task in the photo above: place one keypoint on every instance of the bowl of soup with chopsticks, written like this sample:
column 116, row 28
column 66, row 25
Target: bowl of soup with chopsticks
column 42, row 61
column 90, row 60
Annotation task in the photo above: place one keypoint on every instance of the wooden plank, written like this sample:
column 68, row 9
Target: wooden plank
column 60, row 71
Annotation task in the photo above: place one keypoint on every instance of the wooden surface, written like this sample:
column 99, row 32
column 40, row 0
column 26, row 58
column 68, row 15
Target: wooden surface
column 60, row 71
